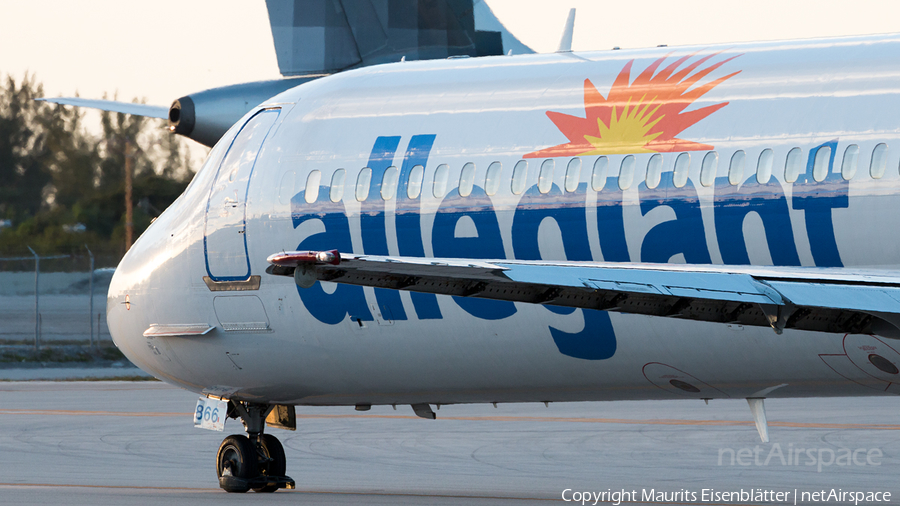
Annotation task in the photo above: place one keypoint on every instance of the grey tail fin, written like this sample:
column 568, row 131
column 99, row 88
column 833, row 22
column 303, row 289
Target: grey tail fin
column 327, row 36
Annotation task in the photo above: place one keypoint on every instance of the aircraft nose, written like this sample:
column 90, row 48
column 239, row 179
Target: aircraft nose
column 127, row 304
column 137, row 290
column 152, row 285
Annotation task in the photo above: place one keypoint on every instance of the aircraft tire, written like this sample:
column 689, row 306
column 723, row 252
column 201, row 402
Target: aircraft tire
column 278, row 466
column 237, row 455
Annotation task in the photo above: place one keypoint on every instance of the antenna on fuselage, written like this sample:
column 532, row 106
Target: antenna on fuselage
column 565, row 43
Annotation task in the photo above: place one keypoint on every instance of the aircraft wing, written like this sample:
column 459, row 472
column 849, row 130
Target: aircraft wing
column 150, row 111
column 835, row 300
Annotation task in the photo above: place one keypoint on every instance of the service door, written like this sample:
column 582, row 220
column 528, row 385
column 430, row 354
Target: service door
column 225, row 237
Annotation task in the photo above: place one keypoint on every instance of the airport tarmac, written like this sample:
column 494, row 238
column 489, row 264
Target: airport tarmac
column 104, row 443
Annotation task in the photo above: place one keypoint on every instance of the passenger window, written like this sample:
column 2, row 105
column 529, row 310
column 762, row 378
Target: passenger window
column 736, row 168
column 362, row 184
column 598, row 178
column 389, row 183
column 850, row 162
column 414, row 186
column 467, row 179
column 312, row 186
column 764, row 165
column 879, row 161
column 573, row 174
column 441, row 175
column 793, row 165
column 337, row 185
column 492, row 178
column 708, row 168
column 545, row 180
column 626, row 172
column 682, row 170
column 654, row 171
column 519, row 177
column 820, row 165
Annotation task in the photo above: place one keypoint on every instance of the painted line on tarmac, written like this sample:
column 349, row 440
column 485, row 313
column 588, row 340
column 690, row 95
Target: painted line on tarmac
column 499, row 498
column 543, row 419
column 110, row 487
column 66, row 412
column 325, row 492
column 625, row 421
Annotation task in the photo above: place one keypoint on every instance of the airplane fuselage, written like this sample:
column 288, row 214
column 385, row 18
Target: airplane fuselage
column 781, row 153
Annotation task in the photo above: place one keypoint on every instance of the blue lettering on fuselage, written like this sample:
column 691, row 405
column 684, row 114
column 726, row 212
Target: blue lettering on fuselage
column 346, row 299
column 817, row 199
column 684, row 235
column 767, row 200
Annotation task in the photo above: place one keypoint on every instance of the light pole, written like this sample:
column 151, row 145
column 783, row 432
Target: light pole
column 129, row 208
column 37, row 299
column 91, row 313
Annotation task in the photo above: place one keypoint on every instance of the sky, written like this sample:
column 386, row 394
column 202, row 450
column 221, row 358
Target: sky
column 165, row 49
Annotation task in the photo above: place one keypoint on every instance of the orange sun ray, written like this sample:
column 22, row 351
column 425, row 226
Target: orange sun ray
column 640, row 116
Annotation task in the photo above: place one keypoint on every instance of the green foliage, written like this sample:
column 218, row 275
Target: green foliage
column 55, row 174
column 24, row 154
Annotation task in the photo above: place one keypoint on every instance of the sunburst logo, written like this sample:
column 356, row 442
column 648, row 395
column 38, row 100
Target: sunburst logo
column 643, row 116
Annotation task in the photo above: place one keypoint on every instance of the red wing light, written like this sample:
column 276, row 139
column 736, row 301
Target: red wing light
column 295, row 258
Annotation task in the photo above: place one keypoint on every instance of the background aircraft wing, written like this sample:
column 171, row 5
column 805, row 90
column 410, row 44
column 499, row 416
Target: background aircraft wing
column 835, row 300
column 150, row 111
column 314, row 38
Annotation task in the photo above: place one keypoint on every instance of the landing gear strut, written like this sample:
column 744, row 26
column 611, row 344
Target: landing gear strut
column 255, row 461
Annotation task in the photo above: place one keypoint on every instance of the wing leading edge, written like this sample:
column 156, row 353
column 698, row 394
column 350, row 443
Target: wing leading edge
column 803, row 298
column 150, row 111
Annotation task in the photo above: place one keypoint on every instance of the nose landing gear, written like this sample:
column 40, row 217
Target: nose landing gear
column 255, row 461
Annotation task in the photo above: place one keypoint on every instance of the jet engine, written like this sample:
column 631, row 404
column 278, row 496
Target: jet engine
column 206, row 115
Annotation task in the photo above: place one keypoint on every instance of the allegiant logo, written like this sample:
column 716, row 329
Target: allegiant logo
column 643, row 116
column 685, row 235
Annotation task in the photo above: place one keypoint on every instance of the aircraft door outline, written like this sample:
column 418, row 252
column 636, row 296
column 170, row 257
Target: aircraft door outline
column 224, row 233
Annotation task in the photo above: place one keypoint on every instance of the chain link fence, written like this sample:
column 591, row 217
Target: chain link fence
column 47, row 300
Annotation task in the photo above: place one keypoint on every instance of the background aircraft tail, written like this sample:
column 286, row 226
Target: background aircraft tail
column 327, row 36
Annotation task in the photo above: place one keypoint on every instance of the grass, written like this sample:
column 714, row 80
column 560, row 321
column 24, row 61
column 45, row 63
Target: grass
column 61, row 354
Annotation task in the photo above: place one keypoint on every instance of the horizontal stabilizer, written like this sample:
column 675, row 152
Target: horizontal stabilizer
column 149, row 111
column 803, row 298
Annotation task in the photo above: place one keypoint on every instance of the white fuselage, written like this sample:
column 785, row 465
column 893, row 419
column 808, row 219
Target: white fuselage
column 271, row 185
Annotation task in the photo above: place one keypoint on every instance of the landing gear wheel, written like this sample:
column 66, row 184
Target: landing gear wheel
column 236, row 463
column 272, row 450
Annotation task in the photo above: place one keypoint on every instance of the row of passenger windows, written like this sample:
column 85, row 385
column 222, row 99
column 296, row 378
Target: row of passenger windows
column 793, row 167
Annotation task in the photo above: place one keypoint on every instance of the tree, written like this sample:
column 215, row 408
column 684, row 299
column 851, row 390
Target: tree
column 24, row 155
column 55, row 173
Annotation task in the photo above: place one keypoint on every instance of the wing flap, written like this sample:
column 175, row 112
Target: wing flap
column 857, row 297
column 815, row 299
column 726, row 286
